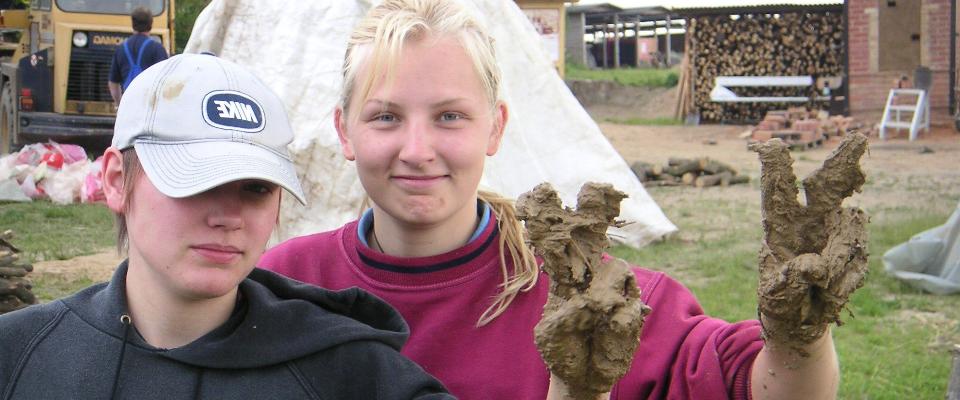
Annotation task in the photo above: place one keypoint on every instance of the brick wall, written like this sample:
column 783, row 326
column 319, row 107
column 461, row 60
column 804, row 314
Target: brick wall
column 869, row 84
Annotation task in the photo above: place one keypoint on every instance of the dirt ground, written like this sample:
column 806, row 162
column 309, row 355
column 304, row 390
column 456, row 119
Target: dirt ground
column 98, row 267
column 925, row 171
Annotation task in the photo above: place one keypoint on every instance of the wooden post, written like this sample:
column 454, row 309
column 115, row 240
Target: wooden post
column 636, row 43
column 953, row 388
column 616, row 41
column 666, row 58
column 583, row 44
column 605, row 63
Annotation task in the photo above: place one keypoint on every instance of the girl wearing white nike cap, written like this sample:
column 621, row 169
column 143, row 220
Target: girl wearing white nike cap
column 194, row 176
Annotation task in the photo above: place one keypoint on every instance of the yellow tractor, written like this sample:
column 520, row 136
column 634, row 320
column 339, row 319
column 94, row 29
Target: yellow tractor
column 56, row 57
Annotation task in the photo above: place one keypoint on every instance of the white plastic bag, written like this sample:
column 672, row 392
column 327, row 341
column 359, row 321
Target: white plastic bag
column 63, row 186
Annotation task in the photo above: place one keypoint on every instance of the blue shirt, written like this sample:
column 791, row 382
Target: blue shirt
column 153, row 54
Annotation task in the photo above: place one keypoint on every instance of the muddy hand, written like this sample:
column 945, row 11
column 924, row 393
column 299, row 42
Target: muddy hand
column 592, row 320
column 814, row 256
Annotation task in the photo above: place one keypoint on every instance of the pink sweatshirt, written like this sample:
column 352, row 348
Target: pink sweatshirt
column 683, row 354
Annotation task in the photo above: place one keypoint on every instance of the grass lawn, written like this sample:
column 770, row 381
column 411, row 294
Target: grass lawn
column 894, row 343
column 49, row 231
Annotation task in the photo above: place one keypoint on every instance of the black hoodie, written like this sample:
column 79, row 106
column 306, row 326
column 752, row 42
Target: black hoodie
column 285, row 340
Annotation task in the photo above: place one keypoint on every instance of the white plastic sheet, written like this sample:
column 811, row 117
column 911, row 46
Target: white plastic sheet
column 297, row 47
column 930, row 260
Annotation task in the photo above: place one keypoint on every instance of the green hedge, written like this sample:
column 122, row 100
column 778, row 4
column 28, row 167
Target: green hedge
column 643, row 77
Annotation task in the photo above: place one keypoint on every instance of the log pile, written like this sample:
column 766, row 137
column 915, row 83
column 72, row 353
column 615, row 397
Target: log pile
column 697, row 172
column 15, row 289
column 787, row 44
column 801, row 128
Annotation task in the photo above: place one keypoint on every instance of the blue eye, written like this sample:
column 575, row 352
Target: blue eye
column 451, row 116
column 385, row 118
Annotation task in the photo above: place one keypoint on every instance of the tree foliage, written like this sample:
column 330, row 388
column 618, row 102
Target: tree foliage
column 187, row 11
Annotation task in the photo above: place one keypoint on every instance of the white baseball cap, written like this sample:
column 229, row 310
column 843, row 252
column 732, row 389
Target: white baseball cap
column 198, row 121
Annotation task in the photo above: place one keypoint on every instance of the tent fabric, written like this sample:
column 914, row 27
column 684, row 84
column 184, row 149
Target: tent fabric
column 297, row 48
column 930, row 260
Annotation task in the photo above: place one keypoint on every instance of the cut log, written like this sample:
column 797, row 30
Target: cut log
column 713, row 167
column 8, row 257
column 662, row 183
column 682, row 169
column 712, row 180
column 14, row 287
column 10, row 303
column 675, row 161
column 642, row 170
column 13, row 271
column 17, row 287
column 667, row 178
column 689, row 178
column 657, row 170
column 735, row 180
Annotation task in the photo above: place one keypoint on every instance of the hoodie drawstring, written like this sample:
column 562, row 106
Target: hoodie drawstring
column 199, row 385
column 126, row 321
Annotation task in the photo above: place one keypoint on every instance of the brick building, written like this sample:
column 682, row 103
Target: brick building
column 889, row 39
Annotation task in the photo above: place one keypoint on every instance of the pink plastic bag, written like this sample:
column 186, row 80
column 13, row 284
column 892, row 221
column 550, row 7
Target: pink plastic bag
column 92, row 189
column 53, row 153
column 72, row 153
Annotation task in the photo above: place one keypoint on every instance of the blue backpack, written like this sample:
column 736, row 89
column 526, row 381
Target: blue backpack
column 135, row 68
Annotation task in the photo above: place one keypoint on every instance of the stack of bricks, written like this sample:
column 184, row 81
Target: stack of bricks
column 801, row 129
column 15, row 288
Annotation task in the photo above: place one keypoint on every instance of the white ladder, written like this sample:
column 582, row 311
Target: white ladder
column 919, row 111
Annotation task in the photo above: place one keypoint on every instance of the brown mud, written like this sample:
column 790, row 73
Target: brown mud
column 591, row 323
column 815, row 255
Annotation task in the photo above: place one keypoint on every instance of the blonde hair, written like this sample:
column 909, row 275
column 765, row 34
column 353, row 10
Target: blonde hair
column 377, row 41
column 380, row 36
column 513, row 240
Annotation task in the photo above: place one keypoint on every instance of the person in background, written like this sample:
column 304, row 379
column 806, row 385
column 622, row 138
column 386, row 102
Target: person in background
column 137, row 53
column 194, row 175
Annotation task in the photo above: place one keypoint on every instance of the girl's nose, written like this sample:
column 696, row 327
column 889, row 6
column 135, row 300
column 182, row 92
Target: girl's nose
column 225, row 208
column 417, row 145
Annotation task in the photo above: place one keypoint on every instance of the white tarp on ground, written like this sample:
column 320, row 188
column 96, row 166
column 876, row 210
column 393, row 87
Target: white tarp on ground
column 930, row 260
column 296, row 47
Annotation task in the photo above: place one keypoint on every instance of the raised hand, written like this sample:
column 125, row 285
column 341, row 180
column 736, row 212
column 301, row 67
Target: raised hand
column 815, row 255
column 591, row 323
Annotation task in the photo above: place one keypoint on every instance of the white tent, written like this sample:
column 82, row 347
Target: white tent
column 297, row 47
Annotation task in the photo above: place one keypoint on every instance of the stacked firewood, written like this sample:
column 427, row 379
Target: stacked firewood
column 698, row 172
column 15, row 289
column 786, row 44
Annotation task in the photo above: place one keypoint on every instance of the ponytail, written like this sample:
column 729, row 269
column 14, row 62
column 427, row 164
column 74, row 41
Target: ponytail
column 512, row 239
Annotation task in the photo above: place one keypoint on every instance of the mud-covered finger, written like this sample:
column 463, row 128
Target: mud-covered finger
column 778, row 199
column 846, row 252
column 560, row 338
column 839, row 176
